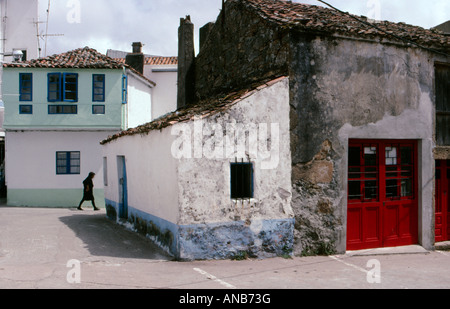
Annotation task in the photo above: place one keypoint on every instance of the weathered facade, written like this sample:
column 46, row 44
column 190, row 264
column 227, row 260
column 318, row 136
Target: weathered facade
column 350, row 79
column 367, row 123
column 172, row 179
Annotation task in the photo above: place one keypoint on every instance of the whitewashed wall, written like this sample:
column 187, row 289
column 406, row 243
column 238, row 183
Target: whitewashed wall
column 31, row 167
column 139, row 102
column 184, row 200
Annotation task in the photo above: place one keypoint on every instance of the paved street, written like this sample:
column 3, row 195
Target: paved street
column 64, row 248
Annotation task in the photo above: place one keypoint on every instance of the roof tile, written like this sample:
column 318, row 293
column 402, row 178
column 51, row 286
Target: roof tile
column 82, row 58
column 316, row 18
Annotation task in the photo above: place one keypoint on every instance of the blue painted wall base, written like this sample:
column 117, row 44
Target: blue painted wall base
column 237, row 239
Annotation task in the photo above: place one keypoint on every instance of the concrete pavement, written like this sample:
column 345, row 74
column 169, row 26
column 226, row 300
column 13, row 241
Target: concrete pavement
column 65, row 248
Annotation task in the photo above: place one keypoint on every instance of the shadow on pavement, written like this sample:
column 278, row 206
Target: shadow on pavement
column 103, row 237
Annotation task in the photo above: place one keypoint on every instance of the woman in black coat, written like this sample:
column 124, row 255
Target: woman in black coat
column 88, row 191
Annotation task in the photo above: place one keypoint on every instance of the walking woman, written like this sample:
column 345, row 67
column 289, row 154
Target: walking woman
column 88, row 191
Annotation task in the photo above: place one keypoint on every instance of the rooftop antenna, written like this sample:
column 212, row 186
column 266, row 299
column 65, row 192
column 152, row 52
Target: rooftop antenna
column 46, row 28
column 46, row 35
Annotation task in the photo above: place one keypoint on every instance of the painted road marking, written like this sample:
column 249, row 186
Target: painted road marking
column 348, row 264
column 373, row 275
column 443, row 253
column 214, row 278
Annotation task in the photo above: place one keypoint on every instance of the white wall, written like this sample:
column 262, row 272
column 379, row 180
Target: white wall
column 165, row 91
column 205, row 183
column 193, row 191
column 139, row 102
column 31, row 158
column 19, row 30
column 151, row 173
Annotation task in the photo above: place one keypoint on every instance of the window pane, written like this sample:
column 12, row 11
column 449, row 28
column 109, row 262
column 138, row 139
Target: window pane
column 354, row 190
column 241, row 180
column 26, row 109
column 98, row 109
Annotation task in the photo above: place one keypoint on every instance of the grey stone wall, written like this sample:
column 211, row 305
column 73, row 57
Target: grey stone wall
column 343, row 89
column 241, row 49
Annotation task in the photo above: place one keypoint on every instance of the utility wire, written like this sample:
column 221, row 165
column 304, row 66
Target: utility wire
column 407, row 41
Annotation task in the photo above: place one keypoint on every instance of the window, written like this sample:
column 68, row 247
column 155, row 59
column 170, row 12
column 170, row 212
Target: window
column 62, row 87
column 26, row 109
column 70, row 87
column 62, row 109
column 98, row 88
column 26, row 87
column 98, row 109
column 443, row 105
column 124, row 89
column 54, row 87
column 241, row 180
column 68, row 163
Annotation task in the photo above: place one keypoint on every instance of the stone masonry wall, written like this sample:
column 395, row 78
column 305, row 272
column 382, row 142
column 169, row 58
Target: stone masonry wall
column 343, row 89
column 240, row 50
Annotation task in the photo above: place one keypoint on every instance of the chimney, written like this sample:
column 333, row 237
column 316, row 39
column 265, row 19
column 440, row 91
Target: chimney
column 186, row 63
column 136, row 59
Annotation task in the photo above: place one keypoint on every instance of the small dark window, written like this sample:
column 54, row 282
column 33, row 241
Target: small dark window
column 124, row 89
column 62, row 109
column 26, row 109
column 98, row 109
column 26, row 87
column 98, row 87
column 54, row 87
column 241, row 180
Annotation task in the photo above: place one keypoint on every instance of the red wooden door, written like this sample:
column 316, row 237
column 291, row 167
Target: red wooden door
column 382, row 194
column 442, row 201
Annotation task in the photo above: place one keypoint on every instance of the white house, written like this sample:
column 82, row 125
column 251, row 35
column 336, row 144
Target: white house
column 18, row 36
column 160, row 69
column 192, row 181
column 57, row 110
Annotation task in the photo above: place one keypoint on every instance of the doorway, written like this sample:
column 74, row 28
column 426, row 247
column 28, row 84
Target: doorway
column 123, row 189
column 382, row 194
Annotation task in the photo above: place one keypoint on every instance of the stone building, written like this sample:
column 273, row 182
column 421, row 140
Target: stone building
column 369, row 138
column 354, row 84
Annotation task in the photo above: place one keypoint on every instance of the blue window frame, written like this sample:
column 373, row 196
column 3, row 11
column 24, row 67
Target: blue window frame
column 241, row 180
column 62, row 87
column 68, row 162
column 70, row 87
column 62, row 109
column 25, row 109
column 98, row 87
column 26, row 87
column 54, row 87
column 124, row 89
column 98, row 109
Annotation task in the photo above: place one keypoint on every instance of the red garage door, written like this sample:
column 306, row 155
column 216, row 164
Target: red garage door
column 382, row 194
column 442, row 201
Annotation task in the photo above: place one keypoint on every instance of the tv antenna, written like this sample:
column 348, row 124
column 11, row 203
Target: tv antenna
column 46, row 35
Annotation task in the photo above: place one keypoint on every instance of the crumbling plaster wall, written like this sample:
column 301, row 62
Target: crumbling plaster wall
column 343, row 89
column 211, row 223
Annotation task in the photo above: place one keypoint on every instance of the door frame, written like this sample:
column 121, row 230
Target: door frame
column 378, row 207
column 123, row 187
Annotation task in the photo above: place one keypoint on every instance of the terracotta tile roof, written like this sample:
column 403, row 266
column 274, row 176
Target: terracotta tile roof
column 202, row 109
column 327, row 20
column 155, row 60
column 82, row 58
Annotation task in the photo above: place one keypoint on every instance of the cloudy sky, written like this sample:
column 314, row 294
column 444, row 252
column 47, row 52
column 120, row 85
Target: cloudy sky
column 115, row 24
